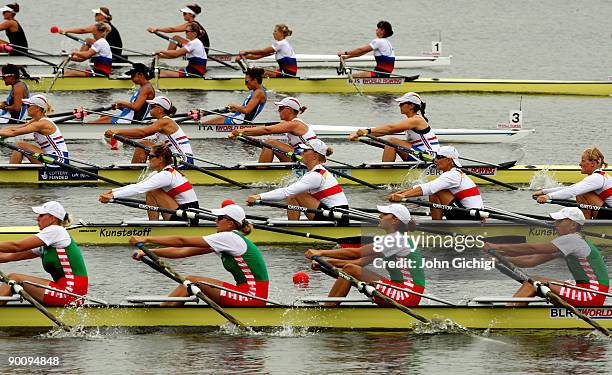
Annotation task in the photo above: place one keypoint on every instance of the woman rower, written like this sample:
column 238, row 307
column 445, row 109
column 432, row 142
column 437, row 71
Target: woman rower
column 113, row 37
column 583, row 259
column 251, row 106
column 189, row 14
column 281, row 49
column 137, row 108
column 166, row 130
column 99, row 53
column 194, row 52
column 419, row 135
column 296, row 129
column 317, row 188
column 60, row 255
column 167, row 187
column 12, row 28
column 402, row 260
column 451, row 188
column 383, row 52
column 239, row 256
column 13, row 107
column 594, row 190
column 47, row 135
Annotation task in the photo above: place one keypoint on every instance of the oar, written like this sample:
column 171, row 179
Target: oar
column 164, row 36
column 350, row 75
column 55, row 30
column 406, row 78
column 191, row 288
column 60, row 69
column 44, row 158
column 25, row 295
column 429, row 158
column 483, row 213
column 294, row 156
column 327, row 213
column 545, row 291
column 423, row 295
column 570, row 203
column 78, row 296
column 367, row 289
column 188, row 214
column 113, row 115
column 9, row 47
column 79, row 113
column 178, row 158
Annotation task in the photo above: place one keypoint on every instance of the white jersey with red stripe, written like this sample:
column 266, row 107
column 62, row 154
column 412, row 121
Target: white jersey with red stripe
column 53, row 144
column 598, row 182
column 178, row 142
column 295, row 140
column 319, row 182
column 423, row 140
column 459, row 184
column 168, row 179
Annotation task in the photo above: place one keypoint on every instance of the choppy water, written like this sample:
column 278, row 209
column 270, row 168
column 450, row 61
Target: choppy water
column 520, row 39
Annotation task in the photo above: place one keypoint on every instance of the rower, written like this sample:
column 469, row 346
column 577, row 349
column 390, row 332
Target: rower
column 13, row 107
column 99, row 53
column 166, row 187
column 46, row 134
column 137, row 108
column 317, row 188
column 402, row 260
column 419, row 135
column 451, row 188
column 594, row 190
column 239, row 256
column 113, row 37
column 383, row 52
column 12, row 28
column 193, row 50
column 189, row 14
column 166, row 130
column 281, row 49
column 251, row 106
column 296, row 129
column 583, row 259
column 60, row 257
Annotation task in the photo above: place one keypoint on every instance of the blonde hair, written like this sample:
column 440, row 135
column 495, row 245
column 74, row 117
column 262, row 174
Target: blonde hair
column 284, row 29
column 67, row 221
column 594, row 154
column 103, row 27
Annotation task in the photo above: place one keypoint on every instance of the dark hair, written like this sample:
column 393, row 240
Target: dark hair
column 421, row 108
column 245, row 227
column 107, row 12
column 386, row 26
column 164, row 152
column 195, row 7
column 17, row 70
column 14, row 7
column 255, row 73
column 284, row 29
column 169, row 112
column 403, row 227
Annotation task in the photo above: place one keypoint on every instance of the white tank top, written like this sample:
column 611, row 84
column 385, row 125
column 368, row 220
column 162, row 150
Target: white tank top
column 460, row 185
column 423, row 140
column 295, row 140
column 168, row 179
column 53, row 144
column 178, row 142
column 598, row 182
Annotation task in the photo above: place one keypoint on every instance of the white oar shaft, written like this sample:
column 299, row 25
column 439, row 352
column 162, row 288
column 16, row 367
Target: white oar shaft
column 78, row 296
column 580, row 288
column 238, row 293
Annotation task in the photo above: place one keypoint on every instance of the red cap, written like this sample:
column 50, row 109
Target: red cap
column 227, row 202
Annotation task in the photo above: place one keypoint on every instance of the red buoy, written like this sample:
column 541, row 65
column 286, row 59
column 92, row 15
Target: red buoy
column 301, row 279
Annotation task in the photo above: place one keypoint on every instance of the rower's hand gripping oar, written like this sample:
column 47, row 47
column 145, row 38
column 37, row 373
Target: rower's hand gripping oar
column 543, row 290
column 56, row 30
column 17, row 288
column 570, row 203
column 294, row 156
column 178, row 158
column 191, row 288
column 367, row 289
column 327, row 213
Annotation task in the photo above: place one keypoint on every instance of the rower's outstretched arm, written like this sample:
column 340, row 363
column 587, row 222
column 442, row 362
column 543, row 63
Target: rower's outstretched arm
column 14, row 257
column 24, row 245
column 528, row 261
column 356, row 52
column 524, row 248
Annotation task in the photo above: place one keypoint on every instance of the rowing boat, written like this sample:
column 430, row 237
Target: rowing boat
column 304, row 61
column 80, row 130
column 350, row 316
column 337, row 84
column 118, row 233
column 382, row 173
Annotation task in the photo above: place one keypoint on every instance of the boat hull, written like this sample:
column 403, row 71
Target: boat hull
column 342, row 85
column 370, row 318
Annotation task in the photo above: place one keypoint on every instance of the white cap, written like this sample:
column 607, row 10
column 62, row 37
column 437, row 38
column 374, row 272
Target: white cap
column 410, row 97
column 232, row 210
column 187, row 10
column 37, row 100
column 52, row 208
column 450, row 152
column 316, row 145
column 164, row 102
column 99, row 11
column 398, row 210
column 290, row 102
column 7, row 9
column 572, row 213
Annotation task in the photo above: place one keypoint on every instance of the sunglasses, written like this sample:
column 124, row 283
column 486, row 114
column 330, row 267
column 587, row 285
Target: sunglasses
column 151, row 156
column 281, row 107
column 223, row 217
column 440, row 157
